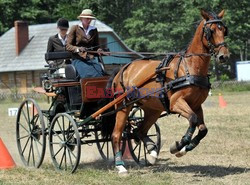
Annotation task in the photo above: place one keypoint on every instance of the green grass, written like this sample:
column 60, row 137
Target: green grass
column 87, row 175
column 223, row 156
column 230, row 86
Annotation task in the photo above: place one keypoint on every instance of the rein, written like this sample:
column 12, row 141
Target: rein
column 176, row 84
column 177, row 54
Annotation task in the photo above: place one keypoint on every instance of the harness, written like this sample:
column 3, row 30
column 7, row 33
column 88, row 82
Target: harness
column 183, row 81
column 187, row 80
column 178, row 82
column 208, row 34
column 161, row 78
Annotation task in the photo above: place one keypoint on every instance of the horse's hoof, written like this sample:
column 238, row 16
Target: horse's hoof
column 152, row 157
column 173, row 148
column 182, row 152
column 121, row 170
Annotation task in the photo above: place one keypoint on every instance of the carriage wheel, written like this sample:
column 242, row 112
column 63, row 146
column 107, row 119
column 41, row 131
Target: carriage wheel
column 30, row 133
column 64, row 142
column 136, row 147
column 104, row 145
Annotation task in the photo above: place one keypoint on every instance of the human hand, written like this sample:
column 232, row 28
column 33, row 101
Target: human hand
column 100, row 51
column 82, row 49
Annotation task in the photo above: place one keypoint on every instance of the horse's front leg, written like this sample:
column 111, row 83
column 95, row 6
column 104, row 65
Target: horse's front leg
column 121, row 118
column 180, row 106
column 196, row 140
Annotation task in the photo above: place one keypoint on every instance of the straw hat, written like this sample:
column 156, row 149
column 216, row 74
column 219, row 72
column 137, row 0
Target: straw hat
column 86, row 13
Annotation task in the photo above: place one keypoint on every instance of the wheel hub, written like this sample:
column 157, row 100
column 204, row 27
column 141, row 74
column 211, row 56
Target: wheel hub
column 36, row 132
column 71, row 143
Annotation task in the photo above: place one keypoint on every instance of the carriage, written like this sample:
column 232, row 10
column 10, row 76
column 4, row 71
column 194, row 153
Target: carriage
column 66, row 125
column 74, row 118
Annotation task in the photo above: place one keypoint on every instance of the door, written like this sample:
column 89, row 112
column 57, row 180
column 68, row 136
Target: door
column 23, row 83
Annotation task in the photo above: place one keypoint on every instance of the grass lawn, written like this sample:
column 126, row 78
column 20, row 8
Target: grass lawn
column 223, row 156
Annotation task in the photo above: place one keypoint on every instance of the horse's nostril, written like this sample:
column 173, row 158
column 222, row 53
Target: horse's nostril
column 221, row 57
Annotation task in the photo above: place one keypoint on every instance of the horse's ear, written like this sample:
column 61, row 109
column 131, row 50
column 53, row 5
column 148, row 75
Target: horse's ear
column 221, row 14
column 204, row 14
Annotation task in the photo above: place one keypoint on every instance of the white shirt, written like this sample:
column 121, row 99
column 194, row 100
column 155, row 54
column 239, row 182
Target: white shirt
column 89, row 28
column 62, row 40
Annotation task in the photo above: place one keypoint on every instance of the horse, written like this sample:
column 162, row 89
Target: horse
column 185, row 87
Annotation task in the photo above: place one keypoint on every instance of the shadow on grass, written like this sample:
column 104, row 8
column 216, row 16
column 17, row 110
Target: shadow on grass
column 202, row 171
column 105, row 165
column 164, row 165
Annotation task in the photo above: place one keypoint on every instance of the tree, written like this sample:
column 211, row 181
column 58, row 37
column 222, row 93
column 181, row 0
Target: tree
column 145, row 25
column 163, row 25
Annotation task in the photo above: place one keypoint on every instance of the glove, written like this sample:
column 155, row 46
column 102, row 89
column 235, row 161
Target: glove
column 100, row 51
column 82, row 49
column 103, row 52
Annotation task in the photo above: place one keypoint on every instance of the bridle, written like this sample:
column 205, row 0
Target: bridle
column 208, row 35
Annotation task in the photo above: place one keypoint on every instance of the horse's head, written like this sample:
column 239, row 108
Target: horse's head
column 213, row 35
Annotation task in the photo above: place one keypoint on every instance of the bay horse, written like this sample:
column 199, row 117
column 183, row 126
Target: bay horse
column 186, row 87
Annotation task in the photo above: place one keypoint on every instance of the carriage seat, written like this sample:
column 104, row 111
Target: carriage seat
column 71, row 73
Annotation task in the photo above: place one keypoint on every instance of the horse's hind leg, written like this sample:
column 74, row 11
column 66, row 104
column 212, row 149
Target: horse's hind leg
column 121, row 118
column 150, row 117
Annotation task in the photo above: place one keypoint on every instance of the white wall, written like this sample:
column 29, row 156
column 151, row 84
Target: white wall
column 243, row 70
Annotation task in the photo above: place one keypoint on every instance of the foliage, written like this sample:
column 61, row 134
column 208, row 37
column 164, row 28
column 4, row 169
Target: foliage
column 230, row 86
column 145, row 25
column 224, row 77
column 153, row 30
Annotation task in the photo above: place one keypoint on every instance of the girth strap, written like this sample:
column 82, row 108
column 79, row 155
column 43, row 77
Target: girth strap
column 184, row 81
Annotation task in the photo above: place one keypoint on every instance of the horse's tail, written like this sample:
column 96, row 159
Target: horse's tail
column 108, row 122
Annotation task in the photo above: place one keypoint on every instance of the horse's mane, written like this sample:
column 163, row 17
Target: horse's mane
column 197, row 23
column 213, row 14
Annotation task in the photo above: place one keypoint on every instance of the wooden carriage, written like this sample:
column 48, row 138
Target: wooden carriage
column 65, row 124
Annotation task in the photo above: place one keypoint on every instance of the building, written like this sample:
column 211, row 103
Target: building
column 242, row 70
column 23, row 50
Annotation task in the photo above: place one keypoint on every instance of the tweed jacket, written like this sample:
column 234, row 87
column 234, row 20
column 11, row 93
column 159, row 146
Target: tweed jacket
column 55, row 44
column 77, row 38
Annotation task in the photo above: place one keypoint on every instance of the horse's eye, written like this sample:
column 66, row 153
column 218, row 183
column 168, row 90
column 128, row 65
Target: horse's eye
column 219, row 26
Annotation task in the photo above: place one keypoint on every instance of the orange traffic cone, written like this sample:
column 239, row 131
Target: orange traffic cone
column 6, row 160
column 222, row 102
column 126, row 154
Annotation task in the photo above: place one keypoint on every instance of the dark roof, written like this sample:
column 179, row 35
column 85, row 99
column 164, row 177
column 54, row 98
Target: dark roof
column 32, row 56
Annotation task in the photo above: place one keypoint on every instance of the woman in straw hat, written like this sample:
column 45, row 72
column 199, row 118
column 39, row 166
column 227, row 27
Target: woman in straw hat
column 80, row 38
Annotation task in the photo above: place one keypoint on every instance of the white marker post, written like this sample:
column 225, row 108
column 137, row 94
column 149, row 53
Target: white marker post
column 12, row 111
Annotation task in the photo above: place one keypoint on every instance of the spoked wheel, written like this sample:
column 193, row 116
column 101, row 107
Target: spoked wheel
column 136, row 147
column 30, row 133
column 104, row 145
column 64, row 142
